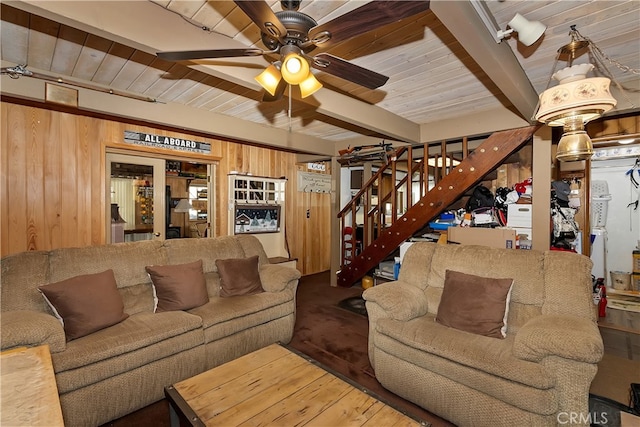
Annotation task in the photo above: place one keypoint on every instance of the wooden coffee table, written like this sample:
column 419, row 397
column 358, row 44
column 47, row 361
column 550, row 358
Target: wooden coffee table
column 28, row 390
column 277, row 386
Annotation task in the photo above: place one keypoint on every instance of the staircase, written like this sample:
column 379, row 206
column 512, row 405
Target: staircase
column 384, row 230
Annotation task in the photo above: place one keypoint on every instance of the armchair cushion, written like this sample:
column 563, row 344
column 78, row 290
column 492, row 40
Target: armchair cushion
column 400, row 300
column 475, row 304
column 86, row 303
column 178, row 287
column 276, row 278
column 564, row 336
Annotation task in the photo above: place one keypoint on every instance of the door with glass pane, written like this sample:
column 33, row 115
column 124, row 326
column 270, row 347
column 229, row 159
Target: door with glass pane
column 136, row 201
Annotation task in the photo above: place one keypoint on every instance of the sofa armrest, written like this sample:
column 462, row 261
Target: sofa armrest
column 276, row 278
column 400, row 300
column 31, row 328
column 568, row 337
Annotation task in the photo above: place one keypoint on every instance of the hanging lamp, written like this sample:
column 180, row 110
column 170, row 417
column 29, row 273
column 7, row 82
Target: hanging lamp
column 575, row 101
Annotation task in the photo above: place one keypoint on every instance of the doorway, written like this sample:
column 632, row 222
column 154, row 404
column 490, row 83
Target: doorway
column 136, row 198
column 157, row 198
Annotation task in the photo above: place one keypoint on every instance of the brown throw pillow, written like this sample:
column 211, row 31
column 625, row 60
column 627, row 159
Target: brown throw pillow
column 475, row 304
column 239, row 276
column 178, row 287
column 85, row 304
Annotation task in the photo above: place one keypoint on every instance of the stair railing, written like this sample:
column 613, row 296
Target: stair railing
column 384, row 212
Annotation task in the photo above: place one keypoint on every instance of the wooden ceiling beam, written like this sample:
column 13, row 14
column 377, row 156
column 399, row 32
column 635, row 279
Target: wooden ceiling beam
column 497, row 60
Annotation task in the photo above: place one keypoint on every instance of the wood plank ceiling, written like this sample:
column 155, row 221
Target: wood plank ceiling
column 433, row 78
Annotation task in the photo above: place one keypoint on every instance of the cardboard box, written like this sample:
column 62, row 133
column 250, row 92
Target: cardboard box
column 494, row 237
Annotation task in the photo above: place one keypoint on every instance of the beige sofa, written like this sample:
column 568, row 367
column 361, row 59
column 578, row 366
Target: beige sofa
column 538, row 375
column 117, row 370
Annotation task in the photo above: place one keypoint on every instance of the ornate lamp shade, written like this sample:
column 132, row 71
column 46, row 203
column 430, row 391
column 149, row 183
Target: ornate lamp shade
column 575, row 95
column 572, row 103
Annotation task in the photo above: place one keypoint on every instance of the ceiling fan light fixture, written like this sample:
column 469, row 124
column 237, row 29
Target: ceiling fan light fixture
column 295, row 69
column 309, row 86
column 269, row 79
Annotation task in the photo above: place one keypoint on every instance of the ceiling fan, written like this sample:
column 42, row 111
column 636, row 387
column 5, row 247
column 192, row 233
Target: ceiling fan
column 293, row 34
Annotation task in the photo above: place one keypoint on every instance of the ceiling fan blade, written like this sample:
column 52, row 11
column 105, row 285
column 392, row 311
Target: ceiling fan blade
column 184, row 55
column 365, row 18
column 260, row 13
column 348, row 71
column 267, row 97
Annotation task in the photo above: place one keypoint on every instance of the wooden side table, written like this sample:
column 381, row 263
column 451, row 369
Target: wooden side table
column 28, row 390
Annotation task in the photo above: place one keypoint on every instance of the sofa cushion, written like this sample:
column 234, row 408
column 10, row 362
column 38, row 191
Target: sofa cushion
column 476, row 351
column 252, row 246
column 239, row 276
column 86, row 303
column 178, row 287
column 137, row 341
column 20, row 277
column 475, row 304
column 223, row 317
column 183, row 251
column 414, row 374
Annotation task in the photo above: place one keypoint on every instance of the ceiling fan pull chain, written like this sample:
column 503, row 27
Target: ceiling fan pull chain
column 289, row 108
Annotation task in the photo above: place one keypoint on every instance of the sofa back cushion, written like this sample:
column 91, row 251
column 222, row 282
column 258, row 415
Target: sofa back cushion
column 183, row 251
column 415, row 262
column 128, row 261
column 525, row 267
column 19, row 280
column 252, row 246
column 568, row 285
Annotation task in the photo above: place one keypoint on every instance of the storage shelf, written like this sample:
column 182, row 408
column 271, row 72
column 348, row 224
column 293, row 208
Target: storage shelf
column 612, row 291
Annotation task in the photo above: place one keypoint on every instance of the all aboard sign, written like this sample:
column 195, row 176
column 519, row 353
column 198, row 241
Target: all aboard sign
column 160, row 141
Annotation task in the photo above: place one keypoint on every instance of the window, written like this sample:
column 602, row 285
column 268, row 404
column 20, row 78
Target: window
column 256, row 203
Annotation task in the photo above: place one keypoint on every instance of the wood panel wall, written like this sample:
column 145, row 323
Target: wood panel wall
column 52, row 193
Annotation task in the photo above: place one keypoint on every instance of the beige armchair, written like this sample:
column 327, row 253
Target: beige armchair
column 538, row 374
